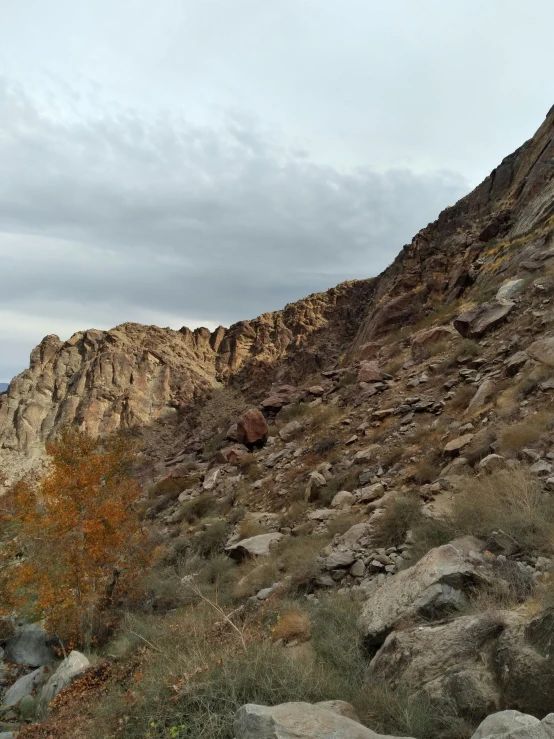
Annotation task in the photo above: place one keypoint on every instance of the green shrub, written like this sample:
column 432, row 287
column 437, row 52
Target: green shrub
column 211, row 540
column 198, row 508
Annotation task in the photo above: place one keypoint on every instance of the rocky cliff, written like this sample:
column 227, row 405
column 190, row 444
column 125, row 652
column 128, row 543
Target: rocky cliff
column 137, row 375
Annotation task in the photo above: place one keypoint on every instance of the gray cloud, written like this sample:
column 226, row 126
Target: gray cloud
column 125, row 217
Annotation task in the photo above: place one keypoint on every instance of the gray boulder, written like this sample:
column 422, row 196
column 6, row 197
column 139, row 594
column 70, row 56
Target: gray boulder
column 533, row 729
column 431, row 588
column 449, row 663
column 254, row 546
column 509, row 289
column 542, row 350
column 299, row 721
column 500, row 723
column 7, row 735
column 477, row 321
column 72, row 666
column 26, row 685
column 30, row 646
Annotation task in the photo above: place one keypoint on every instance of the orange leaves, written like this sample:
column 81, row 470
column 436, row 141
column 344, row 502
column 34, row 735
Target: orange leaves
column 78, row 535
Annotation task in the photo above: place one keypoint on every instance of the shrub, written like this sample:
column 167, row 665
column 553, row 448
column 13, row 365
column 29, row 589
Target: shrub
column 324, row 446
column 292, row 625
column 295, row 513
column 342, row 523
column 293, row 411
column 247, row 528
column 212, row 540
column 349, row 378
column 469, row 348
column 508, row 500
column 253, row 575
column 322, row 416
column 326, row 493
column 394, row 366
column 519, row 435
column 426, row 470
column 198, row 508
column 171, row 487
column 399, row 516
column 214, row 444
column 298, row 557
column 462, row 397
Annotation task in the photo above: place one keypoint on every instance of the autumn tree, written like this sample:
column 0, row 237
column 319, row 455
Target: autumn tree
column 74, row 541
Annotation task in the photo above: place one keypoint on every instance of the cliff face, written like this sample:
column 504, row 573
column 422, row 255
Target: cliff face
column 506, row 222
column 138, row 375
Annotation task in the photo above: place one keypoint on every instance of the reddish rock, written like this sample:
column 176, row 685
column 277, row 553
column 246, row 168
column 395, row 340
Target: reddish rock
column 369, row 372
column 422, row 340
column 477, row 321
column 252, row 428
column 316, row 390
column 234, row 454
column 279, row 397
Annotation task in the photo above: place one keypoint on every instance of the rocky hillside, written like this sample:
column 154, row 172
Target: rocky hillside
column 350, row 500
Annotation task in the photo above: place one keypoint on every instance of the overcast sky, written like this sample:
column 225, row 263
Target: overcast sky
column 202, row 161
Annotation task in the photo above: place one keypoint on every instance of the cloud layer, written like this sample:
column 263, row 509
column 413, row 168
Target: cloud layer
column 120, row 216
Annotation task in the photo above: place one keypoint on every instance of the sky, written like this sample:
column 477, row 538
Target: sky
column 199, row 162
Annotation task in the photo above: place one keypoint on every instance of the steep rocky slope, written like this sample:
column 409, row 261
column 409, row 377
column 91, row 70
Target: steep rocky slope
column 401, row 490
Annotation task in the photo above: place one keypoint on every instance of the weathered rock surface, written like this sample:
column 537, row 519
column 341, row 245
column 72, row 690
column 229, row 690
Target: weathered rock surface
column 254, row 546
column 72, row 666
column 252, row 428
column 498, row 724
column 433, row 586
column 542, row 350
column 298, row 721
column 26, row 685
column 477, row 321
column 422, row 340
column 30, row 646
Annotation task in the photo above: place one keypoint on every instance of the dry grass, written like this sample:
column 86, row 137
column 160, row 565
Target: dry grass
column 253, row 575
column 394, row 366
column 292, row 625
column 398, row 518
column 298, row 556
column 511, row 501
column 295, row 513
column 342, row 523
column 426, row 470
column 197, row 508
column 462, row 397
column 519, row 435
column 247, row 528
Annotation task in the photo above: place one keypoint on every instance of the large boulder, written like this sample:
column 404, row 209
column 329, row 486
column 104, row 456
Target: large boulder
column 369, row 372
column 542, row 350
column 477, row 321
column 252, row 429
column 436, row 585
column 72, row 666
column 26, row 685
column 254, row 546
column 446, row 662
column 299, row 721
column 31, row 646
column 502, row 722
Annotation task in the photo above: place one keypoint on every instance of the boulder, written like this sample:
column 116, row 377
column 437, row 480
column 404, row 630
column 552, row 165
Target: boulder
column 254, row 546
column 435, row 585
column 541, row 730
column 514, row 363
column 509, row 289
column 369, row 372
column 235, row 454
column 211, row 478
column 484, row 392
column 30, row 646
column 290, row 430
column 447, row 662
column 504, row 721
column 477, row 321
column 26, row 685
column 542, row 350
column 72, row 666
column 453, row 447
column 298, row 721
column 342, row 498
column 422, row 340
column 252, row 429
